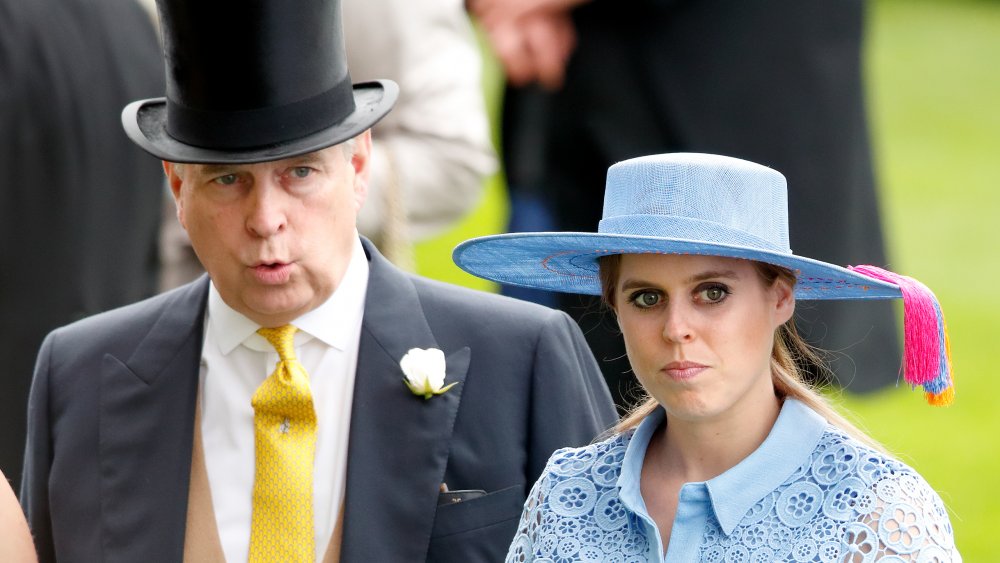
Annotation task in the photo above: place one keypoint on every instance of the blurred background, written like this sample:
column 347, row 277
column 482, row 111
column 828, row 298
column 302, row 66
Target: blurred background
column 933, row 93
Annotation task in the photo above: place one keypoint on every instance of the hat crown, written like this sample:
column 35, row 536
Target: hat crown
column 249, row 54
column 700, row 197
column 253, row 73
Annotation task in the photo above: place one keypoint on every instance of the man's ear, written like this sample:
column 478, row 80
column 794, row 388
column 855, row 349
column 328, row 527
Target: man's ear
column 175, row 181
column 361, row 162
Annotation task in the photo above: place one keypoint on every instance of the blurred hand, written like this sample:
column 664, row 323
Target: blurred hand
column 493, row 11
column 534, row 47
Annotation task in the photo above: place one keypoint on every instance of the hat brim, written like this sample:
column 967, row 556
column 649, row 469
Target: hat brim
column 145, row 123
column 568, row 262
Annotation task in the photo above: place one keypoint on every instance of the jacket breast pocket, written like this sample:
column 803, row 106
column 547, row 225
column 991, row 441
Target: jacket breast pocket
column 478, row 529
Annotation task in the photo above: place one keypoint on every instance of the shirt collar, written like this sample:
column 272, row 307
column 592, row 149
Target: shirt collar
column 791, row 441
column 628, row 481
column 331, row 322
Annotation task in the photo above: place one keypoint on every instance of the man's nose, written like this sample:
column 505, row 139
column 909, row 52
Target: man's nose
column 266, row 214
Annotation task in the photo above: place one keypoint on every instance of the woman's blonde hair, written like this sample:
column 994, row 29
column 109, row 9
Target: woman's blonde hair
column 791, row 355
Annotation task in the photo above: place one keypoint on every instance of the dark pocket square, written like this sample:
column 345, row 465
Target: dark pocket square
column 478, row 512
column 451, row 497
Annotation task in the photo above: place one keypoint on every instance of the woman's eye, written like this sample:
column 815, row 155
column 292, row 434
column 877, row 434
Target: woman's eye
column 713, row 294
column 646, row 299
column 301, row 171
column 227, row 180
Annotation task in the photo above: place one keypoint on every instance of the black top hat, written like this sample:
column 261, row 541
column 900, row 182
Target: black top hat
column 252, row 81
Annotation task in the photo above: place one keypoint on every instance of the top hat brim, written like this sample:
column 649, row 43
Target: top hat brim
column 568, row 262
column 145, row 123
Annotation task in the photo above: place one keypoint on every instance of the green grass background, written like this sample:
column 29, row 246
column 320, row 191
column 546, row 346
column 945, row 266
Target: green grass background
column 933, row 72
column 933, row 75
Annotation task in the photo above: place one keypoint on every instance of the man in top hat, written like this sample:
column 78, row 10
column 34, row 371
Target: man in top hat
column 305, row 401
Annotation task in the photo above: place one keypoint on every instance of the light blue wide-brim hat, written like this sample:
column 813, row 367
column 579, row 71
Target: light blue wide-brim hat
column 704, row 204
column 680, row 203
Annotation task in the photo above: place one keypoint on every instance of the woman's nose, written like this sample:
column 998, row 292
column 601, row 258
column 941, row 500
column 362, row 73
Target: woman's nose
column 676, row 327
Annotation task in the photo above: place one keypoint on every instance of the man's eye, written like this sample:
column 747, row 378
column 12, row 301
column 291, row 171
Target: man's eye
column 301, row 171
column 645, row 299
column 227, row 180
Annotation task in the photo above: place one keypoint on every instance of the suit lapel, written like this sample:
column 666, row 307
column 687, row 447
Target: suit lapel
column 146, row 428
column 398, row 447
column 399, row 442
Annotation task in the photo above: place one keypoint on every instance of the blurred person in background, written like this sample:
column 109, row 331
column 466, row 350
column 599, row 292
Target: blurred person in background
column 79, row 210
column 434, row 151
column 775, row 82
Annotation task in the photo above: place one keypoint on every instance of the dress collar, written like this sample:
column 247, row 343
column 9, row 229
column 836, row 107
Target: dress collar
column 790, row 442
column 331, row 322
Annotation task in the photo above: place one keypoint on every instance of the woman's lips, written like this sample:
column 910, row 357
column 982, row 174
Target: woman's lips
column 273, row 273
column 683, row 370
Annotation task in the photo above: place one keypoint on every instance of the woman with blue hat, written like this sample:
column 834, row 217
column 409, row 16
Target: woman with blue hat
column 732, row 457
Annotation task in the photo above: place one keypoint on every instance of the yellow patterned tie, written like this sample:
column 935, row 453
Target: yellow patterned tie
column 285, row 440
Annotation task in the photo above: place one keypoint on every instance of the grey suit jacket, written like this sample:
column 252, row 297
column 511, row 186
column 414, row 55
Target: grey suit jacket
column 111, row 420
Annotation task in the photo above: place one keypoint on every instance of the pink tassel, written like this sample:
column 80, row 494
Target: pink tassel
column 927, row 355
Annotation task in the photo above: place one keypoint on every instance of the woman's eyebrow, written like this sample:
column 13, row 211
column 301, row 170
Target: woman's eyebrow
column 639, row 283
column 636, row 283
column 711, row 274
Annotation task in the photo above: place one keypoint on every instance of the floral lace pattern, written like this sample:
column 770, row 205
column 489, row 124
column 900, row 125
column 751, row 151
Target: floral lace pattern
column 847, row 503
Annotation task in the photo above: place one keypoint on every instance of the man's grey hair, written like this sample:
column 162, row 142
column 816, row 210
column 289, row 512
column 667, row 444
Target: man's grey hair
column 349, row 146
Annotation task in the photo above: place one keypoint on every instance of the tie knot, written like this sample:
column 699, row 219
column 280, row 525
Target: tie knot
column 283, row 340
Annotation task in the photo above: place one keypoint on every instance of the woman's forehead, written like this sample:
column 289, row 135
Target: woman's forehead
column 683, row 263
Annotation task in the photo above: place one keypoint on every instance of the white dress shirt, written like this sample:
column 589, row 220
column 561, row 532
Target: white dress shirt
column 236, row 360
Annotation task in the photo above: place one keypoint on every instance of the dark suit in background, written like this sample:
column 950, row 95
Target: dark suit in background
column 777, row 82
column 113, row 405
column 79, row 204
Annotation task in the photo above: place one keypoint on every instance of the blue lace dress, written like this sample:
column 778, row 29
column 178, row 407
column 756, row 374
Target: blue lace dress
column 808, row 493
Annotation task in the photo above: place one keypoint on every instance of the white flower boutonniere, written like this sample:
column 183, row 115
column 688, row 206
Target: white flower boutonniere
column 424, row 371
